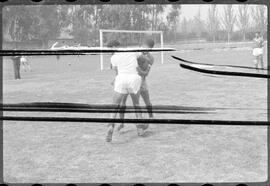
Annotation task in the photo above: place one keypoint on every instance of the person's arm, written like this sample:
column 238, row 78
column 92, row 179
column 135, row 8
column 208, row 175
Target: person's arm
column 114, row 61
column 114, row 67
column 142, row 72
column 116, row 70
column 150, row 58
column 116, row 73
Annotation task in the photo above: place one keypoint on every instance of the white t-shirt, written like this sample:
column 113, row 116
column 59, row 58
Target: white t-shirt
column 125, row 62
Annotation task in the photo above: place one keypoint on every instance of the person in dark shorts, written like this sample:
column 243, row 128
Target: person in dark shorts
column 16, row 66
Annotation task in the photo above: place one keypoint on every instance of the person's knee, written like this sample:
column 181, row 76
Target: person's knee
column 122, row 108
column 146, row 97
column 117, row 98
column 148, row 103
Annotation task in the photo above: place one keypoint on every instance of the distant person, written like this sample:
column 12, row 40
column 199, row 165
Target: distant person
column 16, row 66
column 145, row 61
column 25, row 64
column 258, row 50
column 53, row 47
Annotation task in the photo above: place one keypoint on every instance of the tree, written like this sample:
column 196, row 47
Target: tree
column 172, row 18
column 243, row 19
column 184, row 26
column 17, row 23
column 198, row 24
column 228, row 20
column 259, row 16
column 24, row 23
column 80, row 26
column 157, row 9
column 213, row 22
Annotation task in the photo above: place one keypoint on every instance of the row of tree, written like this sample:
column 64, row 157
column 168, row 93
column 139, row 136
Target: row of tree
column 42, row 23
column 235, row 22
column 25, row 23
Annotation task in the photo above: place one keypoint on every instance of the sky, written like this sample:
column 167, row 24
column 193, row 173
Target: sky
column 189, row 11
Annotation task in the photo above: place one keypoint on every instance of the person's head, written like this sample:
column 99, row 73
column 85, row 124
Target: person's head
column 257, row 34
column 113, row 44
column 148, row 43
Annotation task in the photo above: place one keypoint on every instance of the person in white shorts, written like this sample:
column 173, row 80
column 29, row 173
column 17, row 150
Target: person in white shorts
column 258, row 51
column 145, row 61
column 127, row 81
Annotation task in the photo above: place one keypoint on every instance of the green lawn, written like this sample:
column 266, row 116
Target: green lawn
column 77, row 152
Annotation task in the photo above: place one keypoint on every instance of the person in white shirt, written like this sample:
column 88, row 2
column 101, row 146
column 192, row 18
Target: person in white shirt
column 145, row 61
column 127, row 81
column 25, row 64
column 258, row 50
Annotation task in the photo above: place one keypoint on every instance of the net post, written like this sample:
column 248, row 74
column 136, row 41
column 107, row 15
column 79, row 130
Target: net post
column 101, row 45
column 161, row 45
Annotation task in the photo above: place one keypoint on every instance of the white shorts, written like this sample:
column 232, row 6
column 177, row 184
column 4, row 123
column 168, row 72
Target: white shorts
column 127, row 83
column 257, row 51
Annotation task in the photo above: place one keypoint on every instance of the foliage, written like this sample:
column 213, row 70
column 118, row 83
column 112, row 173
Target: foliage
column 82, row 22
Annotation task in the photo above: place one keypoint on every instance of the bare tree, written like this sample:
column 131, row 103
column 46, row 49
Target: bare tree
column 198, row 24
column 156, row 11
column 213, row 22
column 243, row 21
column 259, row 16
column 184, row 26
column 228, row 20
column 172, row 18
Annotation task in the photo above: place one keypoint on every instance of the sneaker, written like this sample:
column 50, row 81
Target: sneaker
column 140, row 131
column 109, row 134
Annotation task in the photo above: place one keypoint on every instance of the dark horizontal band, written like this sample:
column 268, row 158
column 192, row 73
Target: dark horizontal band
column 153, row 121
column 38, row 52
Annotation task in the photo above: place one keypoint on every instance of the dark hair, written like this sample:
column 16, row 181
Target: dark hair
column 113, row 43
column 149, row 42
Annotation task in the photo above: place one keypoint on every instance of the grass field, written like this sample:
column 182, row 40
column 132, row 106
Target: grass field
column 77, row 152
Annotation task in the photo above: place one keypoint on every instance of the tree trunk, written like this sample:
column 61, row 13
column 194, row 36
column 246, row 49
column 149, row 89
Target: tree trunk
column 153, row 16
column 174, row 35
column 155, row 25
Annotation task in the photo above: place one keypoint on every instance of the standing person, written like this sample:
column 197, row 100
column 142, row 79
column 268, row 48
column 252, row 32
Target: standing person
column 16, row 66
column 25, row 64
column 145, row 62
column 258, row 51
column 127, row 81
column 54, row 47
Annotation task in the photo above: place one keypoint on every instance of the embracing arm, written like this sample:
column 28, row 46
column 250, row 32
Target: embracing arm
column 149, row 60
column 142, row 72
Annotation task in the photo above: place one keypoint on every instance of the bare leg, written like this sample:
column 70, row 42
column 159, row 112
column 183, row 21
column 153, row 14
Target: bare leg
column 23, row 67
column 146, row 98
column 29, row 66
column 122, row 111
column 256, row 62
column 138, row 113
column 261, row 61
column 117, row 98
